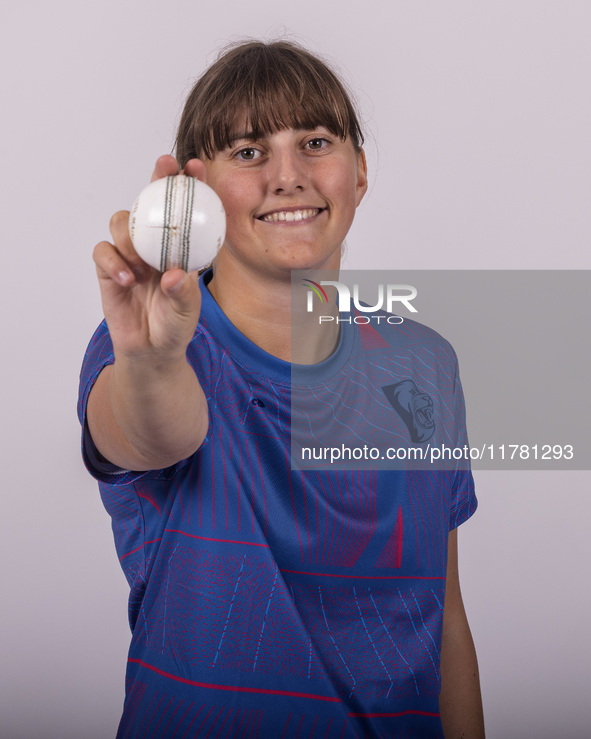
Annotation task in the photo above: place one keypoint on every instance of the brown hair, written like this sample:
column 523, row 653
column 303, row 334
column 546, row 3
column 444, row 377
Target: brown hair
column 278, row 84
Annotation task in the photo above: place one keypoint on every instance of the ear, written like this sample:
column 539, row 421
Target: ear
column 361, row 187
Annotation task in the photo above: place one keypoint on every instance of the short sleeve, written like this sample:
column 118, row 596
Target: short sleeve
column 463, row 500
column 99, row 355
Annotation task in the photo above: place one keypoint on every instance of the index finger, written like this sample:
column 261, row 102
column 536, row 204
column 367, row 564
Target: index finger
column 166, row 165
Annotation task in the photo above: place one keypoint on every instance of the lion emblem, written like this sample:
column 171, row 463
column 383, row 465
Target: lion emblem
column 414, row 407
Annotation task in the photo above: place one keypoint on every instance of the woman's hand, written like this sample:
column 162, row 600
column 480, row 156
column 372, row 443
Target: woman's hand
column 148, row 313
column 147, row 410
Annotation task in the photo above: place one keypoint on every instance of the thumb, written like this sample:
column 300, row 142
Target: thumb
column 183, row 289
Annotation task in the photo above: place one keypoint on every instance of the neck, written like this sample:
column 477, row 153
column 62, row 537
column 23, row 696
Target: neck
column 260, row 307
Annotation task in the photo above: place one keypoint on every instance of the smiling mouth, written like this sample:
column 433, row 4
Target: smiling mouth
column 290, row 216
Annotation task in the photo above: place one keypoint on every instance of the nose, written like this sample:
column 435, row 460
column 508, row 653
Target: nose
column 287, row 172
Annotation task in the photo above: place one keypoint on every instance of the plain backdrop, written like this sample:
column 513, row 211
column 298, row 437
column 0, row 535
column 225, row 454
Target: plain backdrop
column 478, row 117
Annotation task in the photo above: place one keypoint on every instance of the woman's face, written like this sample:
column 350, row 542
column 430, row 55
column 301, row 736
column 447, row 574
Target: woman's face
column 290, row 197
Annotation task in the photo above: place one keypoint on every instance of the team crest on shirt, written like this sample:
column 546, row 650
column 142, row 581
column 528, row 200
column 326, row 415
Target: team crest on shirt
column 415, row 408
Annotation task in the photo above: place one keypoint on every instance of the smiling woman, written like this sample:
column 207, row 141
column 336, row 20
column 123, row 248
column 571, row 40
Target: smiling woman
column 267, row 601
column 290, row 198
column 281, row 143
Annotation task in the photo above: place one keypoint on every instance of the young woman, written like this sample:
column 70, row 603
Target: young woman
column 265, row 601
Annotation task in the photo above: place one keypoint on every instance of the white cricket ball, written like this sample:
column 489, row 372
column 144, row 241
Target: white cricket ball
column 177, row 221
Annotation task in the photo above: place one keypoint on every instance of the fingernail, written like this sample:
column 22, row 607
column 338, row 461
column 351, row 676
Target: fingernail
column 125, row 276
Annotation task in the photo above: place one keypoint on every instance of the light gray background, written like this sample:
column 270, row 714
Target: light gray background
column 479, row 155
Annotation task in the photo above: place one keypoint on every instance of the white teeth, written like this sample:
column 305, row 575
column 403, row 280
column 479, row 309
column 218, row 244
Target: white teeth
column 291, row 215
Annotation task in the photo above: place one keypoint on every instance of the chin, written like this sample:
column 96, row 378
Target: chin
column 303, row 259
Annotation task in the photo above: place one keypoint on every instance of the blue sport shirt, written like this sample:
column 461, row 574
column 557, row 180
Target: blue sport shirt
column 271, row 602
